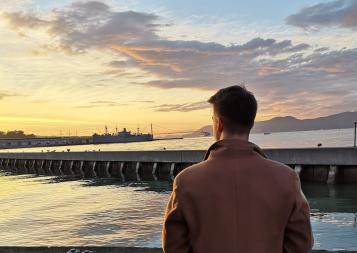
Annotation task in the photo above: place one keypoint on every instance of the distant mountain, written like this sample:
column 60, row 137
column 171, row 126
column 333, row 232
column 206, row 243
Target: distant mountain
column 292, row 124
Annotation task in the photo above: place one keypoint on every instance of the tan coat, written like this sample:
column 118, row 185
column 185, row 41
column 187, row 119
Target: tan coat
column 237, row 200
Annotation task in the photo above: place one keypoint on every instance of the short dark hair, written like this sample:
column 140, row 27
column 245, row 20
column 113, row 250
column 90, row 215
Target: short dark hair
column 236, row 107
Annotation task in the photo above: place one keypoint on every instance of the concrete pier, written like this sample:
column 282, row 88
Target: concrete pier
column 298, row 169
column 324, row 165
column 331, row 178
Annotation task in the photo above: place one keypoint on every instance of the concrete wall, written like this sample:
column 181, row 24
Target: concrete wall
column 332, row 165
column 308, row 156
column 135, row 156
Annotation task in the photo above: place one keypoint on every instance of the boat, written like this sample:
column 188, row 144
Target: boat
column 205, row 134
column 121, row 137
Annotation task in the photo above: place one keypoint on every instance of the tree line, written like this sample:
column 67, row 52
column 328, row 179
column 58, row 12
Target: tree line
column 15, row 134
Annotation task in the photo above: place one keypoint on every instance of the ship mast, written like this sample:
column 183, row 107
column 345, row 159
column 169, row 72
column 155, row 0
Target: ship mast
column 152, row 134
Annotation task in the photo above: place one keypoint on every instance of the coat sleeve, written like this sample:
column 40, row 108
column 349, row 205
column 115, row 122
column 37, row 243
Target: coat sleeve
column 298, row 236
column 175, row 234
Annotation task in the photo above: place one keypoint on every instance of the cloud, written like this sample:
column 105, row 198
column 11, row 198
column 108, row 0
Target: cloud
column 11, row 5
column 186, row 107
column 143, row 101
column 24, row 20
column 340, row 13
column 280, row 73
column 100, row 103
column 7, row 94
column 85, row 25
column 194, row 64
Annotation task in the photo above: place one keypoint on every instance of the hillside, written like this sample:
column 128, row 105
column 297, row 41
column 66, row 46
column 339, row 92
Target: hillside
column 291, row 124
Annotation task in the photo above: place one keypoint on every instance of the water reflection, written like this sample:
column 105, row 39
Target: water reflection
column 114, row 213
column 155, row 186
column 340, row 198
column 80, row 212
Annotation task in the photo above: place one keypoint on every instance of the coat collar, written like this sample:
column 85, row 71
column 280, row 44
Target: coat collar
column 233, row 144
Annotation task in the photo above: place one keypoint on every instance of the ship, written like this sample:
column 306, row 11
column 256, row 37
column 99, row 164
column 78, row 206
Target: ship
column 121, row 137
column 205, row 133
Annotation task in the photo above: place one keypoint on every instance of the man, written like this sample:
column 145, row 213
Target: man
column 236, row 200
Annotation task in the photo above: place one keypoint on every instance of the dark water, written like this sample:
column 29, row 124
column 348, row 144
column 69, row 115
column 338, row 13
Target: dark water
column 334, row 215
column 64, row 211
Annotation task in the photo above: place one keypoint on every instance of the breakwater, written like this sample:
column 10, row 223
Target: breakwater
column 12, row 143
column 329, row 165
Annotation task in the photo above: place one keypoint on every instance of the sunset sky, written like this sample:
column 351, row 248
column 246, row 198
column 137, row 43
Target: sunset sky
column 78, row 65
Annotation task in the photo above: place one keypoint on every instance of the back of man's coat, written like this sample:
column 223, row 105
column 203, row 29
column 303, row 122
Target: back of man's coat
column 237, row 201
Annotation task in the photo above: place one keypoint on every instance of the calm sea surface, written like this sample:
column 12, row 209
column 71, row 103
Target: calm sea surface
column 328, row 138
column 66, row 211
column 58, row 211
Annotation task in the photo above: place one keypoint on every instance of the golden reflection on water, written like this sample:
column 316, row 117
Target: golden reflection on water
column 35, row 212
column 50, row 211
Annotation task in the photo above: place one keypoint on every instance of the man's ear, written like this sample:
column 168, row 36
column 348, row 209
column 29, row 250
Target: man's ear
column 220, row 125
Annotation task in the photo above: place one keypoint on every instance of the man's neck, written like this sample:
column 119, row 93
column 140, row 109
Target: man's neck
column 242, row 137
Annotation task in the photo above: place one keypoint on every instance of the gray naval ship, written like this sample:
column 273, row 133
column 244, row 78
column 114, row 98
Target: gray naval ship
column 121, row 137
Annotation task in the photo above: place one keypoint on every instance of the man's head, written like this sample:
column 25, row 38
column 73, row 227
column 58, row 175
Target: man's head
column 234, row 111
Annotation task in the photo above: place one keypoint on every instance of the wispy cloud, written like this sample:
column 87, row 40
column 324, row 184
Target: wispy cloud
column 94, row 104
column 143, row 101
column 7, row 94
column 25, row 20
column 185, row 107
column 340, row 13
